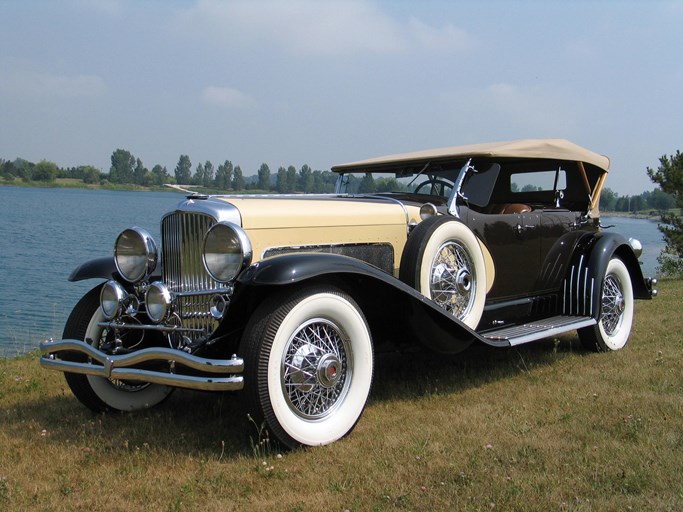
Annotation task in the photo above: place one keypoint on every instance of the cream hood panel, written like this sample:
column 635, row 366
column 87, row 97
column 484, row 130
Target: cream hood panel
column 307, row 212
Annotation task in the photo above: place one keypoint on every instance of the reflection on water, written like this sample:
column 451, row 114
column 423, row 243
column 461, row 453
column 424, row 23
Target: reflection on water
column 46, row 233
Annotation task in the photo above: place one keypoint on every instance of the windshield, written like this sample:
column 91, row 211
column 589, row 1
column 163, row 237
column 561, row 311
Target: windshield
column 423, row 183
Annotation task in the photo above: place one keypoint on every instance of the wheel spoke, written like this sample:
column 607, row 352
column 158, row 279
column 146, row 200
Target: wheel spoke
column 310, row 387
column 452, row 285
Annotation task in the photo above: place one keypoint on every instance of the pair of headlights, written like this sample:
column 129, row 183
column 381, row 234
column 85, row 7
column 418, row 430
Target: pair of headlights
column 226, row 252
column 115, row 301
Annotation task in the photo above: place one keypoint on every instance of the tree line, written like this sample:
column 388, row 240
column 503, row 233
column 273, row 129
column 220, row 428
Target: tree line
column 126, row 169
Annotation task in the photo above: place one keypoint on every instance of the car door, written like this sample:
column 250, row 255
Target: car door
column 514, row 241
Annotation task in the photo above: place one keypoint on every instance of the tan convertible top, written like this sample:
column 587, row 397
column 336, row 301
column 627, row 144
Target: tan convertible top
column 553, row 149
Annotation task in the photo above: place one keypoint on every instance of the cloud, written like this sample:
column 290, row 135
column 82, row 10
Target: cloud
column 43, row 85
column 448, row 37
column 306, row 27
column 227, row 97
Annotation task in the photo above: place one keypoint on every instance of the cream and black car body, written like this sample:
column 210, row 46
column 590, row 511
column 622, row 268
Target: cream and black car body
column 286, row 298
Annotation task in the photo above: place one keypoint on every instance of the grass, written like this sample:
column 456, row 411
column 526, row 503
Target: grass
column 546, row 426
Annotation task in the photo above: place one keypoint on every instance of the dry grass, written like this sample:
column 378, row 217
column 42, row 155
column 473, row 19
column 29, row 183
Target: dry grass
column 543, row 427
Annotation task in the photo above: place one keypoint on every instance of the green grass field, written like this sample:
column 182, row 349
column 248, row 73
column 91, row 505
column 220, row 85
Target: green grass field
column 543, row 427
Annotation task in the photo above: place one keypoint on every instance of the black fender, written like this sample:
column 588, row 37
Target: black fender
column 583, row 283
column 392, row 308
column 104, row 268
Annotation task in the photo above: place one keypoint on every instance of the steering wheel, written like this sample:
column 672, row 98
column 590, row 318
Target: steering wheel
column 437, row 187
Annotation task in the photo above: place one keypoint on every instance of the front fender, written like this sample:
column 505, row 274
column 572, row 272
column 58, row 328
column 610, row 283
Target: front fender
column 104, row 268
column 392, row 308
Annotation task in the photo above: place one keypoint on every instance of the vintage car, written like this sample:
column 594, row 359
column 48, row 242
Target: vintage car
column 286, row 298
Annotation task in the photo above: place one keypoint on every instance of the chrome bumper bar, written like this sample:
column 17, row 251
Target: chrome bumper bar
column 215, row 374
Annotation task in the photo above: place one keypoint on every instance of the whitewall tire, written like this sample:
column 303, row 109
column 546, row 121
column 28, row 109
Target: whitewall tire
column 616, row 311
column 99, row 393
column 308, row 366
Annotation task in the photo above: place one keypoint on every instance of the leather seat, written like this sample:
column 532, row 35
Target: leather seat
column 513, row 208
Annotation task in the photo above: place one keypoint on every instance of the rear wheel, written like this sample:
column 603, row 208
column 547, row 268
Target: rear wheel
column 616, row 311
column 99, row 393
column 308, row 366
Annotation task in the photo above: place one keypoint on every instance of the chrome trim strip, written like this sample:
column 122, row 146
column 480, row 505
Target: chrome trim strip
column 151, row 327
column 391, row 200
column 210, row 291
column 118, row 367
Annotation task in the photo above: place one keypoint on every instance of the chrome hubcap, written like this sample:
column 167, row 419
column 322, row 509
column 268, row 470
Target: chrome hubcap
column 453, row 287
column 316, row 369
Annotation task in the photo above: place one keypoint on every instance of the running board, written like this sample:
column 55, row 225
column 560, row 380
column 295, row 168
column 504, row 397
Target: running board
column 539, row 329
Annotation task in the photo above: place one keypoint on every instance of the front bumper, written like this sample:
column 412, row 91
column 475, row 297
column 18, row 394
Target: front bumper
column 177, row 368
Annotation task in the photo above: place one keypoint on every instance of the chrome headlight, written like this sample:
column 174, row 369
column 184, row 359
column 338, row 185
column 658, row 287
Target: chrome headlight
column 227, row 251
column 636, row 246
column 135, row 254
column 113, row 300
column 427, row 210
column 158, row 302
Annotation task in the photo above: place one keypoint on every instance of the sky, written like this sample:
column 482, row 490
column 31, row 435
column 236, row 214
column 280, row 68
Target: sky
column 325, row 82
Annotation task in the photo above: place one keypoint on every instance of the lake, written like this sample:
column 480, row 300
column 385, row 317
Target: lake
column 46, row 232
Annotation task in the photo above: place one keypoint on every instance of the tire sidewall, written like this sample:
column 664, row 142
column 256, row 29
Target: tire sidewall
column 341, row 421
column 617, row 269
column 453, row 231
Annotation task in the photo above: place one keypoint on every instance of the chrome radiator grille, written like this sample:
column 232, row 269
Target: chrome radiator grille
column 182, row 237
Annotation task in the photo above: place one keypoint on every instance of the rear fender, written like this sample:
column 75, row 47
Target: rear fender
column 582, row 288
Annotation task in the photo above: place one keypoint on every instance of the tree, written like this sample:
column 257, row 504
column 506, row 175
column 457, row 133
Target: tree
column 367, row 184
column 159, row 175
column 199, row 174
column 183, row 170
column 238, row 179
column 7, row 170
column 608, row 200
column 305, row 181
column 660, row 200
column 224, row 176
column 122, row 167
column 45, row 171
column 141, row 174
column 291, row 179
column 208, row 174
column 264, row 177
column 281, row 181
column 669, row 177
column 24, row 169
column 89, row 174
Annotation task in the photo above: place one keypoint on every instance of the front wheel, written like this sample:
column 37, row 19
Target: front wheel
column 99, row 393
column 616, row 311
column 308, row 366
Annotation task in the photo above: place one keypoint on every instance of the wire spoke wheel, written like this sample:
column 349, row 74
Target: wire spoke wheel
column 451, row 284
column 316, row 369
column 308, row 365
column 616, row 311
column 612, row 305
column 444, row 261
